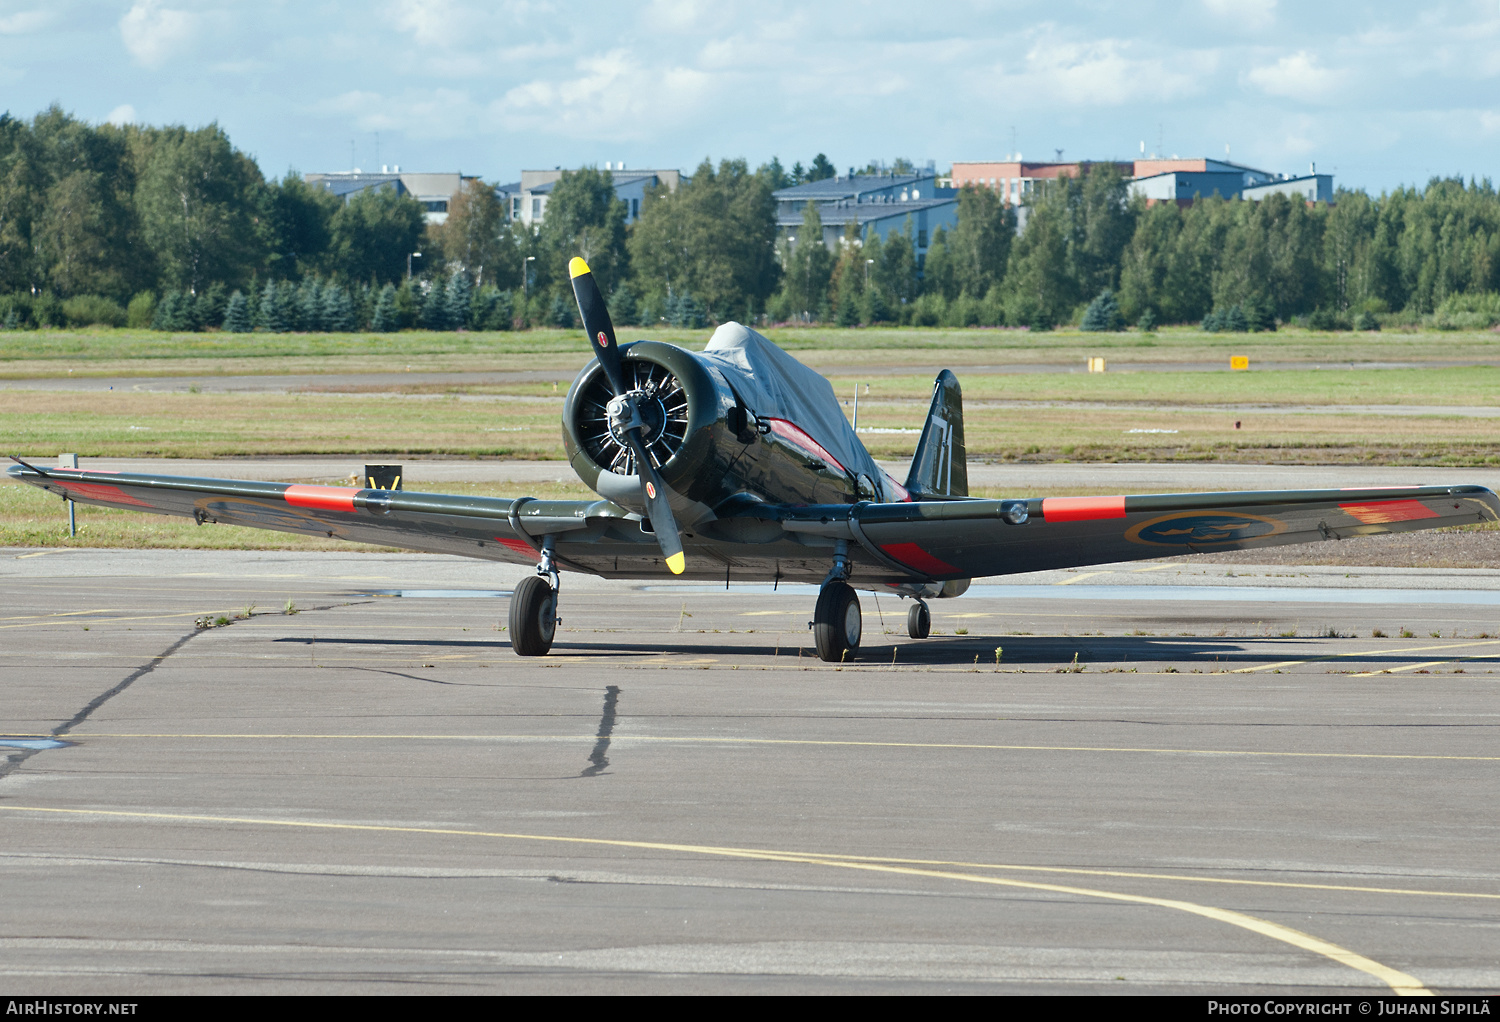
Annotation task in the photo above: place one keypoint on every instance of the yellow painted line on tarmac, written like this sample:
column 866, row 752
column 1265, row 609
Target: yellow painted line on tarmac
column 729, row 740
column 1429, row 663
column 65, row 613
column 109, row 620
column 1156, row 567
column 44, row 553
column 1362, row 653
column 1079, row 578
column 1398, row 981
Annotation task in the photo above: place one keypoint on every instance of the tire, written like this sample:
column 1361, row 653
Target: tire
column 836, row 623
column 918, row 621
column 533, row 617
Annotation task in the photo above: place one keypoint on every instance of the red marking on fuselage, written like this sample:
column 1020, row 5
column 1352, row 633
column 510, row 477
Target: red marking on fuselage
column 102, row 491
column 913, row 556
column 324, row 498
column 1082, row 509
column 1380, row 512
column 895, row 489
column 791, row 432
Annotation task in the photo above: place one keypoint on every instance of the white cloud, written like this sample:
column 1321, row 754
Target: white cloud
column 614, row 97
column 1102, row 73
column 1250, row 14
column 153, row 33
column 121, row 115
column 1296, row 77
column 429, row 22
column 23, row 22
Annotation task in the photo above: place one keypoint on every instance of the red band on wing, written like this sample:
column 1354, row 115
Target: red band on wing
column 324, row 498
column 1382, row 511
column 1082, row 509
column 520, row 546
column 915, row 557
column 102, row 491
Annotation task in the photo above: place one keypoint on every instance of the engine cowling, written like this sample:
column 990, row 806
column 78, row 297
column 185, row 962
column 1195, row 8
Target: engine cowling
column 686, row 433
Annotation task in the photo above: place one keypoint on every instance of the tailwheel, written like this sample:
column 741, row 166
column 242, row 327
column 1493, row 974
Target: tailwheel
column 918, row 621
column 836, row 622
column 533, row 616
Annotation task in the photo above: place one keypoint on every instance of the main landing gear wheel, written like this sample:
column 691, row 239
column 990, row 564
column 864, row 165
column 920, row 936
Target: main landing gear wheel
column 836, row 622
column 533, row 616
column 918, row 621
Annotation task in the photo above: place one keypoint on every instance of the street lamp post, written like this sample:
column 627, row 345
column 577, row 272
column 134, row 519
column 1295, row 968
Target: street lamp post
column 408, row 262
column 868, row 263
column 526, row 275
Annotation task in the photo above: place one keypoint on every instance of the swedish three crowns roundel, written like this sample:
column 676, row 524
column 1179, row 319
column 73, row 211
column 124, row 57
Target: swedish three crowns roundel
column 1203, row 528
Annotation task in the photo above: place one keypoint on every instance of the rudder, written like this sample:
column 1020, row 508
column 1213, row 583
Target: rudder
column 940, row 466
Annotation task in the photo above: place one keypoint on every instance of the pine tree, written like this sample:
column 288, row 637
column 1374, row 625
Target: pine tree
column 1235, row 320
column 237, row 314
column 309, row 307
column 874, row 307
column 561, row 313
column 622, row 306
column 384, row 319
column 175, row 313
column 272, row 310
column 209, row 307
column 1147, row 323
column 435, row 307
column 460, row 296
column 338, row 310
column 1103, row 314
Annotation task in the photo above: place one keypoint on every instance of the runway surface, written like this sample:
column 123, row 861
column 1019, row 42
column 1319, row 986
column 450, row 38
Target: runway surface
column 1176, row 778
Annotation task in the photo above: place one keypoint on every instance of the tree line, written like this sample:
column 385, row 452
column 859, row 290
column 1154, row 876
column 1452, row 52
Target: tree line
column 175, row 228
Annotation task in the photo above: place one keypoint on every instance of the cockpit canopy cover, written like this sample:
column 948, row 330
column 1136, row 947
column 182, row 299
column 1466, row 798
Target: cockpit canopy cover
column 774, row 385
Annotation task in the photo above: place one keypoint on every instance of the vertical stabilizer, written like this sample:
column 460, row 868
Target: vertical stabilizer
column 940, row 467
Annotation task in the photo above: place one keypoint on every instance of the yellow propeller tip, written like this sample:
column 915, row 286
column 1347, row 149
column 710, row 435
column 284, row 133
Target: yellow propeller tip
column 577, row 267
column 678, row 563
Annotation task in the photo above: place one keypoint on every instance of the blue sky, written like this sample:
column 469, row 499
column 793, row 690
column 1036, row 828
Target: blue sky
column 1380, row 93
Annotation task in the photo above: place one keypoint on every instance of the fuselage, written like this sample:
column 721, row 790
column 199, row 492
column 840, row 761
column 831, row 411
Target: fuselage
column 715, row 445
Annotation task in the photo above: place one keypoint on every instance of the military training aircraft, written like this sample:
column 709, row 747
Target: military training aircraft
column 737, row 464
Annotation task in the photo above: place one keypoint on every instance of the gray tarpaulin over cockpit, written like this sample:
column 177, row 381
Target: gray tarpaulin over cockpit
column 774, row 385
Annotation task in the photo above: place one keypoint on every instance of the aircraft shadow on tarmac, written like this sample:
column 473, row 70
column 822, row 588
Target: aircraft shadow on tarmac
column 935, row 651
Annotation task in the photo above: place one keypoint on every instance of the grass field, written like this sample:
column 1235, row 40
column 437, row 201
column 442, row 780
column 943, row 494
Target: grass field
column 48, row 353
column 122, row 424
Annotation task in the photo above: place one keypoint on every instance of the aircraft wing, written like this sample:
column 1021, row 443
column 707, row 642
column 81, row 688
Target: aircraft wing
column 494, row 528
column 954, row 539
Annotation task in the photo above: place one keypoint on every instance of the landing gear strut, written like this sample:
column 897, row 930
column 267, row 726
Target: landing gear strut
column 836, row 622
column 533, row 608
column 918, row 621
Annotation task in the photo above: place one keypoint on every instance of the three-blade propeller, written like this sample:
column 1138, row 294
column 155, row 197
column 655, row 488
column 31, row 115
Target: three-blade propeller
column 624, row 411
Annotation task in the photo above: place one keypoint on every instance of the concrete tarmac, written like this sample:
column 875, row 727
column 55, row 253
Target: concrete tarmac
column 1177, row 778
